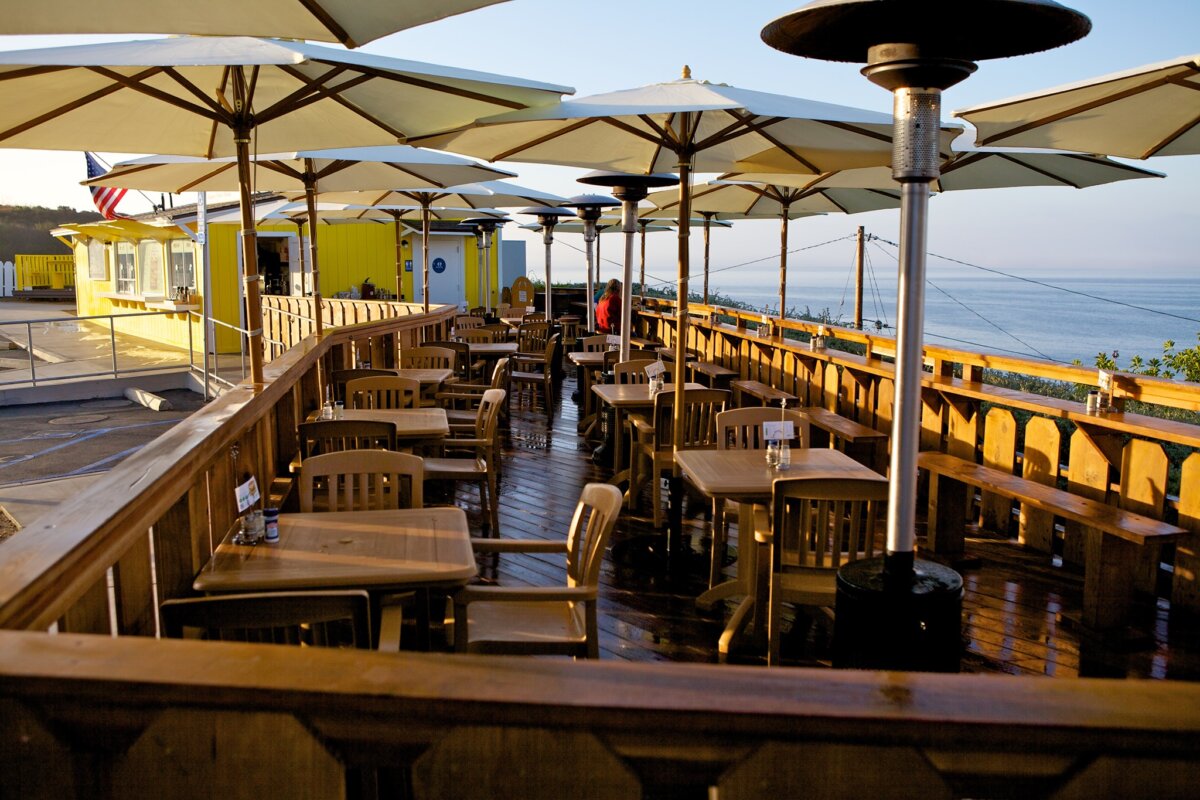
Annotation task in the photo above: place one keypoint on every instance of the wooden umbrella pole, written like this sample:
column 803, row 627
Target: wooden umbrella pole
column 681, row 291
column 425, row 254
column 310, row 196
column 783, row 251
column 707, row 225
column 399, row 255
column 249, row 236
column 642, row 277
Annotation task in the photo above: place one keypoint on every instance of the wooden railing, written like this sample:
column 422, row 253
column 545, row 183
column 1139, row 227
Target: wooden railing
column 288, row 320
column 100, row 708
column 1119, row 458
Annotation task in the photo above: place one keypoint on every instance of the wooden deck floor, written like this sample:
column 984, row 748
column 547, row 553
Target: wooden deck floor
column 1017, row 608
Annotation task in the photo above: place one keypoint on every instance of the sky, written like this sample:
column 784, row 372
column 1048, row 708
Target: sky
column 1121, row 229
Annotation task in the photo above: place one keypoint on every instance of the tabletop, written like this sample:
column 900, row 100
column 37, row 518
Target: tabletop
column 733, row 474
column 625, row 395
column 394, row 548
column 425, row 375
column 587, row 358
column 492, row 348
column 421, row 423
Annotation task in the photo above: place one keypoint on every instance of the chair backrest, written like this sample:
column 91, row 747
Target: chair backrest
column 339, row 377
column 503, row 309
column 823, row 523
column 534, row 316
column 479, row 311
column 742, row 428
column 427, row 358
column 467, row 321
column 532, row 336
column 500, row 330
column 632, row 371
column 335, row 435
column 314, row 619
column 383, row 392
column 488, row 413
column 594, row 344
column 478, row 335
column 502, row 373
column 361, row 480
column 593, row 523
column 462, row 357
column 701, row 407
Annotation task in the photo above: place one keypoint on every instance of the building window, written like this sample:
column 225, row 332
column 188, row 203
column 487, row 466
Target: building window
column 150, row 268
column 183, row 264
column 126, row 269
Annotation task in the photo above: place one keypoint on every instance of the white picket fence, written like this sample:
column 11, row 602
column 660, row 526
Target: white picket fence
column 8, row 278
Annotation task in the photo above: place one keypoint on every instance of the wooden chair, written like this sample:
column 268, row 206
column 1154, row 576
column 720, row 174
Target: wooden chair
column 465, row 369
column 818, row 524
column 427, row 358
column 538, row 372
column 543, row 620
column 460, row 400
column 335, row 435
column 312, row 619
column 470, row 459
column 502, row 310
column 594, row 344
column 479, row 312
column 633, row 370
column 741, row 429
column 467, row 322
column 338, row 378
column 533, row 316
column 570, row 331
column 359, row 480
column 480, row 335
column 532, row 337
column 383, row 392
column 651, row 440
column 501, row 331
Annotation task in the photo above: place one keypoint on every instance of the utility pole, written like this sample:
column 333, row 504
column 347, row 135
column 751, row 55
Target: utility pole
column 858, row 280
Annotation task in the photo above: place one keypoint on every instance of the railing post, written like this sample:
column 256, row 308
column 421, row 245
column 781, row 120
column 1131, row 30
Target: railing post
column 29, row 351
column 112, row 341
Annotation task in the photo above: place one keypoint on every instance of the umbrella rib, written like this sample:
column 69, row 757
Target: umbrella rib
column 333, row 94
column 281, row 168
column 437, row 87
column 30, row 72
column 135, row 83
column 187, row 187
column 1166, row 140
column 1107, row 99
column 415, row 174
column 328, row 22
column 307, row 92
column 583, row 123
column 742, row 124
column 194, row 90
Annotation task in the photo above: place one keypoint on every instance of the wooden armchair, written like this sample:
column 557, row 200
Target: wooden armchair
column 427, row 358
column 383, row 392
column 338, row 378
column 359, row 480
column 470, row 459
column 742, row 429
column 532, row 338
column 335, row 435
column 817, row 525
column 538, row 372
column 478, row 335
column 543, row 620
column 652, row 439
column 467, row 321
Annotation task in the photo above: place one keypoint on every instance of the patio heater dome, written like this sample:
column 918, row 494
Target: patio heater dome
column 897, row 612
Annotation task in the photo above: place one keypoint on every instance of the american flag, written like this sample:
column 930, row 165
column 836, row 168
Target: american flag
column 105, row 197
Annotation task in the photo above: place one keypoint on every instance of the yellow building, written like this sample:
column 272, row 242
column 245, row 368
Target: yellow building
column 153, row 262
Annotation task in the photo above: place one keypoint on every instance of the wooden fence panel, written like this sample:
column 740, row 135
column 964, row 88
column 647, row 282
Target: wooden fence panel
column 1185, row 587
column 1087, row 476
column 1144, row 490
column 1039, row 463
column 999, row 452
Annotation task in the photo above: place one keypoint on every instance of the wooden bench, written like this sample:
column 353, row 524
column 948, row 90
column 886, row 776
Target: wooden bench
column 717, row 377
column 863, row 443
column 1114, row 536
column 764, row 394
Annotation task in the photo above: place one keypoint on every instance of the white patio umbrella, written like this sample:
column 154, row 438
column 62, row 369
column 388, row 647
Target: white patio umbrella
column 350, row 23
column 981, row 168
column 682, row 126
column 218, row 96
column 785, row 203
column 484, row 194
column 338, row 169
column 1152, row 110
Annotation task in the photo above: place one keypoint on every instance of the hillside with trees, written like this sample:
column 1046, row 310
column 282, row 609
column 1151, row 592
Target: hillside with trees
column 26, row 229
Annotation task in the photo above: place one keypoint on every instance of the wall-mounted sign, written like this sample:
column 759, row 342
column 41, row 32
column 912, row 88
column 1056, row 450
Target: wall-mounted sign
column 438, row 265
column 408, row 265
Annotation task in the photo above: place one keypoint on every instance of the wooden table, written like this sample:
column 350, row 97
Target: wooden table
column 743, row 476
column 390, row 550
column 587, row 363
column 411, row 423
column 426, row 377
column 622, row 397
column 492, row 349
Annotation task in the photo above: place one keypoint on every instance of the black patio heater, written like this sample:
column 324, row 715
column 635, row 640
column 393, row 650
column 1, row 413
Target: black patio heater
column 897, row 612
column 547, row 217
column 589, row 208
column 630, row 189
column 484, row 228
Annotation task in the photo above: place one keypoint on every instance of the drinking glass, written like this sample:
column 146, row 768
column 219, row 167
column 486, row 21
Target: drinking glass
column 773, row 454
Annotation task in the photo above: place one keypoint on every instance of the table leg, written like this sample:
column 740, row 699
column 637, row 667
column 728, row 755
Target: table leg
column 1108, row 583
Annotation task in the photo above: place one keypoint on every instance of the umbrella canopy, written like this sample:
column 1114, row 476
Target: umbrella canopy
column 484, row 194
column 213, row 96
column 1149, row 111
column 984, row 168
column 682, row 126
column 759, row 200
column 344, row 168
column 350, row 23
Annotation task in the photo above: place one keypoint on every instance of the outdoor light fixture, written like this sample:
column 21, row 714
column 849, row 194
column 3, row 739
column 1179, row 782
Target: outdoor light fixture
column 547, row 217
column 589, row 208
column 630, row 190
column 484, row 228
column 899, row 613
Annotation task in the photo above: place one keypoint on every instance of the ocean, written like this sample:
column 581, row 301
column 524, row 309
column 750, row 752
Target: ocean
column 1005, row 315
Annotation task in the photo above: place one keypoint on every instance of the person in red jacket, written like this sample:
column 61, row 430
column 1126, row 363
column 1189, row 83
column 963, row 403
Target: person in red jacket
column 608, row 310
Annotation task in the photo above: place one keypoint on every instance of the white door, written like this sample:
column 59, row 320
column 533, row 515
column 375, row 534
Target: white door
column 446, row 284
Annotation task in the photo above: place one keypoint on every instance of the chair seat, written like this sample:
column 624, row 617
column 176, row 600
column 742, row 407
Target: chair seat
column 440, row 468
column 459, row 416
column 538, row 626
column 808, row 588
